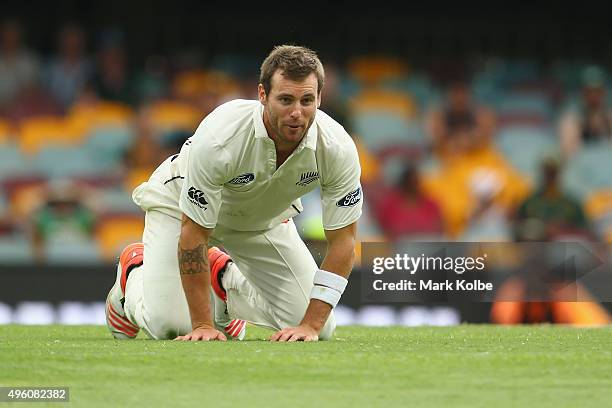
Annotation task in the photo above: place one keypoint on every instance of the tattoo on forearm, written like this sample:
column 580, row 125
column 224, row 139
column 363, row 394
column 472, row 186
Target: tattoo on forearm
column 192, row 260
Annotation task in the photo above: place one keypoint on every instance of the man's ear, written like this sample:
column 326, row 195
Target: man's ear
column 261, row 93
column 319, row 101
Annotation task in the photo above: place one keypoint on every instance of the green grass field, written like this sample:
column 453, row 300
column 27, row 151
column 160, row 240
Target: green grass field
column 468, row 366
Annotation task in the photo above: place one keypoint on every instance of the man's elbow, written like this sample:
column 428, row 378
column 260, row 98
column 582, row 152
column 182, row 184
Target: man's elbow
column 347, row 248
column 351, row 252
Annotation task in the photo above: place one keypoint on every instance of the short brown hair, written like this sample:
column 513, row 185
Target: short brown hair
column 295, row 62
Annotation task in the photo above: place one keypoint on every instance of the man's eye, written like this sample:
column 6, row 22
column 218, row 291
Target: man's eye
column 285, row 100
column 307, row 101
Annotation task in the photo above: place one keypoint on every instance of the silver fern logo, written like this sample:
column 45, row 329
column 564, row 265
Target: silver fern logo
column 308, row 178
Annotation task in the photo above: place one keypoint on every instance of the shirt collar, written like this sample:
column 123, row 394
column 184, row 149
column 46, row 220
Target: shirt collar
column 309, row 141
column 260, row 128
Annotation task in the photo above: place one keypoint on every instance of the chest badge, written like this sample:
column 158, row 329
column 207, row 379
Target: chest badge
column 307, row 178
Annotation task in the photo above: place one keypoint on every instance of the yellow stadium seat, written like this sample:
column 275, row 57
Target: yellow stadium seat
column 608, row 235
column 6, row 131
column 370, row 165
column 598, row 203
column 572, row 305
column 384, row 100
column 374, row 69
column 137, row 176
column 173, row 115
column 583, row 314
column 37, row 132
column 578, row 307
column 114, row 233
column 84, row 118
column 25, row 199
column 192, row 83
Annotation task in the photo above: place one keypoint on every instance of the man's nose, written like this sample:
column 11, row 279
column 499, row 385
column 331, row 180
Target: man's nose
column 296, row 112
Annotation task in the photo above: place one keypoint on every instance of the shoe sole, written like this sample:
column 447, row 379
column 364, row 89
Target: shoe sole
column 119, row 326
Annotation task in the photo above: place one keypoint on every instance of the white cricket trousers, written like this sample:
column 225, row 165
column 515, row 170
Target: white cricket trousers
column 268, row 284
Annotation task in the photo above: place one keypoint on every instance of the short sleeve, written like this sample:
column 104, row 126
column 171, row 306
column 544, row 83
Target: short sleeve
column 200, row 197
column 341, row 194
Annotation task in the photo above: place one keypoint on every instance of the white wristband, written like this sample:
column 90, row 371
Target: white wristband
column 331, row 280
column 325, row 294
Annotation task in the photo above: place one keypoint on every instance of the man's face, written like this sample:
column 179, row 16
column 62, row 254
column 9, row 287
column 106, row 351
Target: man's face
column 459, row 97
column 290, row 107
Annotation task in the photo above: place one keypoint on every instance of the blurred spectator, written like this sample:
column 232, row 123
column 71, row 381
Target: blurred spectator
column 488, row 221
column 111, row 79
column 151, row 83
column 30, row 102
column 171, row 142
column 331, row 101
column 86, row 98
column 63, row 217
column 554, row 210
column 406, row 211
column 69, row 71
column 7, row 223
column 460, row 125
column 591, row 120
column 145, row 154
column 19, row 68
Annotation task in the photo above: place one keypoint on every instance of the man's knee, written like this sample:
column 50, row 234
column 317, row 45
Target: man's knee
column 327, row 332
column 166, row 326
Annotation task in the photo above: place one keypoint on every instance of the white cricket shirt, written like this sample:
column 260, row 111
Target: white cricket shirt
column 226, row 173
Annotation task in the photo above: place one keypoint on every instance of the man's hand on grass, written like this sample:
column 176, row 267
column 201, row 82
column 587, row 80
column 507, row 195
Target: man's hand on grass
column 203, row 334
column 300, row 333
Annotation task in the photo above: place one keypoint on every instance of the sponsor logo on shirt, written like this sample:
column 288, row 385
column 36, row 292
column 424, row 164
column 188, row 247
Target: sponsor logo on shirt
column 308, row 178
column 350, row 199
column 197, row 197
column 242, row 179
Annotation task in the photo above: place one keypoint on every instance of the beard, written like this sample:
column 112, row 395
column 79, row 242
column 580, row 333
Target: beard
column 284, row 136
